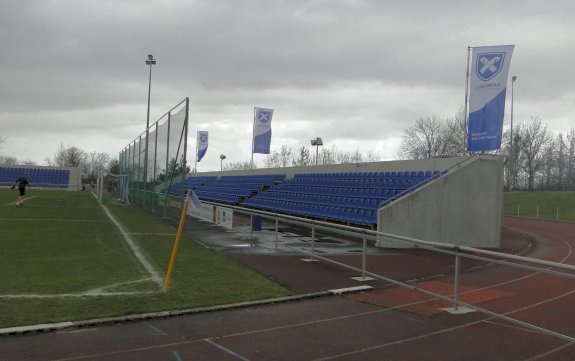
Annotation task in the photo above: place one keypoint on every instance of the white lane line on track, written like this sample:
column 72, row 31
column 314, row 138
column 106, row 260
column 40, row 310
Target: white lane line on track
column 226, row 350
column 177, row 356
column 545, row 354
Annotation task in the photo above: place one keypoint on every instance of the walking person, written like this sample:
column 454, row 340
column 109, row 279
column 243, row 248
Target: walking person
column 21, row 182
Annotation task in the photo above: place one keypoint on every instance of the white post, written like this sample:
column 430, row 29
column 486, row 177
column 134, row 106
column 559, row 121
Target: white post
column 311, row 257
column 364, row 259
column 277, row 234
column 456, row 283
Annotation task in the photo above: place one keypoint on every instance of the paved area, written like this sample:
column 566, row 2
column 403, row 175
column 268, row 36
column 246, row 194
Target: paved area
column 386, row 323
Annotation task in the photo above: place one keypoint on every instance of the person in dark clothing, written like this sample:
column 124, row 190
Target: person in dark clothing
column 21, row 182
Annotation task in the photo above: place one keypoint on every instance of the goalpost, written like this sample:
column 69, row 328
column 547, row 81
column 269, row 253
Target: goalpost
column 117, row 183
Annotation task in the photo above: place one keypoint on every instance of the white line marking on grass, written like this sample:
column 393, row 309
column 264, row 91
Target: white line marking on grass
column 52, row 219
column 152, row 234
column 147, row 265
column 14, row 203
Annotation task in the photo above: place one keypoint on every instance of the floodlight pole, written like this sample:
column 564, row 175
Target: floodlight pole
column 511, row 155
column 316, row 142
column 222, row 157
column 150, row 61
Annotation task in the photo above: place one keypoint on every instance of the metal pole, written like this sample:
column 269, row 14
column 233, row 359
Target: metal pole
column 511, row 154
column 456, row 282
column 557, row 213
column 277, row 233
column 253, row 134
column 147, row 134
column 316, row 154
column 466, row 99
column 251, row 226
column 311, row 257
column 196, row 156
column 537, row 211
column 364, row 259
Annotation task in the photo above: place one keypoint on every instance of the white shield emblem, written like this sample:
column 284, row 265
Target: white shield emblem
column 488, row 65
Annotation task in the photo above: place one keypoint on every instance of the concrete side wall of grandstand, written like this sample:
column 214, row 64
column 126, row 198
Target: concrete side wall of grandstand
column 463, row 207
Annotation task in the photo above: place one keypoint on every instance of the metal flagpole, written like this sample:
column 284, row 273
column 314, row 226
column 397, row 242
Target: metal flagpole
column 196, row 156
column 466, row 100
column 253, row 134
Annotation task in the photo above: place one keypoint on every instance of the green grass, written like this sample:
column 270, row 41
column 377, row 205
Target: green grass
column 63, row 243
column 541, row 205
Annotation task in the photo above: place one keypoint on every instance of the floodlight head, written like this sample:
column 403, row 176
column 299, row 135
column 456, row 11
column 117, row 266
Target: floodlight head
column 151, row 60
column 513, row 78
column 317, row 141
column 222, row 157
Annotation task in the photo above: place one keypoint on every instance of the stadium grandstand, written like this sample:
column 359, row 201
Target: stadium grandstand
column 448, row 200
column 42, row 177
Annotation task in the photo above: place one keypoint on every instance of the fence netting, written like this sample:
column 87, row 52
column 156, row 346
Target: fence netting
column 155, row 163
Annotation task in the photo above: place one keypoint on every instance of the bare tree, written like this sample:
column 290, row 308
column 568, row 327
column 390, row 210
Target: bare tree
column 303, row 158
column 424, row 140
column 94, row 162
column 8, row 160
column 239, row 166
column 534, row 139
column 71, row 156
column 281, row 158
column 570, row 172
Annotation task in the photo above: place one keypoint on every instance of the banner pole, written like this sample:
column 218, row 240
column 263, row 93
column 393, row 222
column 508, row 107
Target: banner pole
column 253, row 134
column 196, row 156
column 466, row 101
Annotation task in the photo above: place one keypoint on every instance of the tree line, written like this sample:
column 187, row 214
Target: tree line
column 71, row 156
column 535, row 157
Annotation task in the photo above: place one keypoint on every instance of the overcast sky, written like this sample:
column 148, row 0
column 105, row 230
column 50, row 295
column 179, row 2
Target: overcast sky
column 355, row 73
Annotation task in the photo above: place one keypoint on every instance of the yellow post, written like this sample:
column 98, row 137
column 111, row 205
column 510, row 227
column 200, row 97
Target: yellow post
column 177, row 243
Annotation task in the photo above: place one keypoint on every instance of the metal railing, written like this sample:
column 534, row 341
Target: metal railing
column 491, row 257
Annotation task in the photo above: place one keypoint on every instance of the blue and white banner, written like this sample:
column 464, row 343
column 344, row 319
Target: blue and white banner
column 202, row 144
column 487, row 86
column 262, row 130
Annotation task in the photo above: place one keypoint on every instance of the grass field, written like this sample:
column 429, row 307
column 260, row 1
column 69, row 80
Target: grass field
column 62, row 259
column 543, row 205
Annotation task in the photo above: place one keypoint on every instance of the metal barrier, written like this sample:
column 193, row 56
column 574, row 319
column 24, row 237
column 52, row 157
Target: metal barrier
column 457, row 251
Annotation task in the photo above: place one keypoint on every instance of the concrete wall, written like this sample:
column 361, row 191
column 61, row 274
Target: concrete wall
column 391, row 166
column 462, row 207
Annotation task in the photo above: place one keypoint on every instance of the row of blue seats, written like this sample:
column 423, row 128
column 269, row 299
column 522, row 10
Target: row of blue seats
column 40, row 177
column 359, row 183
column 264, row 178
column 341, row 214
column 218, row 197
column 378, row 193
column 353, row 202
column 237, row 192
column 369, row 175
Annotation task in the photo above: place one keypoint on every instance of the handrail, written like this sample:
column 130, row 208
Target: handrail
column 457, row 251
